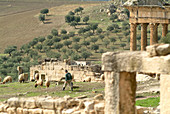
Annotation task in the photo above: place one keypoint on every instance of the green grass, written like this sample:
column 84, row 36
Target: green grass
column 150, row 102
column 28, row 90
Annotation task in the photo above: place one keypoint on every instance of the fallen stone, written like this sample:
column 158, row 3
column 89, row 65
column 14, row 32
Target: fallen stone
column 11, row 110
column 163, row 50
column 49, row 112
column 67, row 97
column 19, row 110
column 82, row 97
column 72, row 103
column 68, row 111
column 35, row 111
column 13, row 102
column 89, row 105
column 25, row 111
column 30, row 103
column 60, row 103
column 99, row 97
column 151, row 50
column 99, row 107
column 48, row 104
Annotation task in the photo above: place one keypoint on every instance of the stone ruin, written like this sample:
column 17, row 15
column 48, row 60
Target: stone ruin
column 54, row 70
column 120, row 70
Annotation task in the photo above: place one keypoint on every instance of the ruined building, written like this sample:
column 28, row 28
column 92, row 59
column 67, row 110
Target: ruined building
column 54, row 70
column 147, row 13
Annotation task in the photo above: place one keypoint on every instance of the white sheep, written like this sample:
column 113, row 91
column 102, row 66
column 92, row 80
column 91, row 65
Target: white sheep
column 23, row 77
column 87, row 79
column 37, row 76
column 47, row 83
column 7, row 79
column 39, row 82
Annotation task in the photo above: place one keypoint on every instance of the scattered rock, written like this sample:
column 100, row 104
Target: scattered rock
column 99, row 97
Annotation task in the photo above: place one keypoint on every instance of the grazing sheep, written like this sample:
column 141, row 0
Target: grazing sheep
column 23, row 77
column 37, row 76
column 87, row 79
column 47, row 83
column 102, row 77
column 39, row 82
column 7, row 79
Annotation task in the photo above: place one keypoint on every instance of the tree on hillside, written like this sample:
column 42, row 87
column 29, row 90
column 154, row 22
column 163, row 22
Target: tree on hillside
column 166, row 39
column 93, row 26
column 42, row 18
column 76, row 47
column 101, row 51
column 94, row 40
column 110, row 28
column 86, row 19
column 122, row 45
column 77, row 19
column 44, row 11
column 49, row 43
column 65, row 37
column 106, row 43
column 54, row 32
column 101, row 37
column 95, row 47
column 71, row 34
column 75, row 56
column 112, row 39
column 71, row 13
column 76, row 39
column 39, row 47
column 10, row 49
column 74, row 24
column 120, row 37
column 86, row 43
column 52, row 54
column 99, row 30
column 81, row 9
column 77, row 10
column 46, row 48
column 33, row 42
column 41, row 39
column 64, row 50
column 126, row 33
column 63, row 31
column 56, row 39
column 49, row 36
column 67, row 43
column 58, row 46
column 85, row 54
column 69, row 18
column 113, row 17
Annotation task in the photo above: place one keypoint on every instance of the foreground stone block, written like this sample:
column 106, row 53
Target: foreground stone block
column 49, row 112
column 48, row 104
column 163, row 50
column 25, row 111
column 13, row 102
column 19, row 110
column 60, row 103
column 89, row 105
column 99, row 97
column 35, row 111
column 99, row 107
column 11, row 110
column 30, row 104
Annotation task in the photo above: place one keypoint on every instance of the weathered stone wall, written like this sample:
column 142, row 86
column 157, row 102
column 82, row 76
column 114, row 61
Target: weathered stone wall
column 48, row 105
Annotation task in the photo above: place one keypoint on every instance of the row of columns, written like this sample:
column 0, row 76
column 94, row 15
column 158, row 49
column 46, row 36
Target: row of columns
column 153, row 34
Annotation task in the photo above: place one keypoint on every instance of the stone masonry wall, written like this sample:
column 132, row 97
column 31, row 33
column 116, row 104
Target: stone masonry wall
column 49, row 105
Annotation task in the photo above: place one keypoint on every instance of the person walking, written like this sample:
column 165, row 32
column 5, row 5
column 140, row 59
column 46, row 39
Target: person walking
column 68, row 80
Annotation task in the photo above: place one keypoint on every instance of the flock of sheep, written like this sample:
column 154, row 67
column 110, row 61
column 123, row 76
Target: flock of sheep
column 24, row 77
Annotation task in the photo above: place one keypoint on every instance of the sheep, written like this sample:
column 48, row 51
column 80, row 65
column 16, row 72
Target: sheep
column 7, row 79
column 102, row 77
column 47, row 83
column 87, row 79
column 37, row 76
column 39, row 82
column 23, row 77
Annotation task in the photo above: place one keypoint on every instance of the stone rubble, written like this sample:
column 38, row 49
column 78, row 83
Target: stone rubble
column 49, row 105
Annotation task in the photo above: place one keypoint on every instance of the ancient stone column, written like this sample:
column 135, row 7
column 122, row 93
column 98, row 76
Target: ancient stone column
column 153, row 33
column 164, row 30
column 165, row 93
column 133, row 36
column 143, row 36
column 120, row 92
